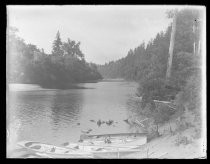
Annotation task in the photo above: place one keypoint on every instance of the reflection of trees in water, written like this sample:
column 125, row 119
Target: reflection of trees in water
column 30, row 106
column 42, row 113
column 66, row 108
column 22, row 106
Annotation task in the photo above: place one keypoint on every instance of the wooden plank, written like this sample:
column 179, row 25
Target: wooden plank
column 165, row 102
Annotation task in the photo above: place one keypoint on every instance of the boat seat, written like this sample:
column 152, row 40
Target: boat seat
column 28, row 144
column 36, row 147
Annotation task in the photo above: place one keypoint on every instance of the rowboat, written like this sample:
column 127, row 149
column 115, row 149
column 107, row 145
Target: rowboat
column 102, row 146
column 120, row 142
column 54, row 151
column 92, row 145
column 118, row 138
column 116, row 135
column 106, row 151
column 77, row 150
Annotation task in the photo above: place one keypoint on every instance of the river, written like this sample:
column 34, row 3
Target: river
column 56, row 116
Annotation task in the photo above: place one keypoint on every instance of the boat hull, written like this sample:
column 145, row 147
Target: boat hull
column 89, row 147
column 125, row 140
column 53, row 151
column 101, row 146
column 117, row 135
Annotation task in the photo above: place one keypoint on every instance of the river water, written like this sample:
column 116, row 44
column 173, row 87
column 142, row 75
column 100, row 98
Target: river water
column 57, row 116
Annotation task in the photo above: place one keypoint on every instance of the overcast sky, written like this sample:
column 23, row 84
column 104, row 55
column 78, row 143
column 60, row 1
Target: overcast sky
column 106, row 32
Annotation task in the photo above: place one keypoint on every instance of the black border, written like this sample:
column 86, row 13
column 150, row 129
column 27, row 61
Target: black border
column 107, row 2
column 3, row 19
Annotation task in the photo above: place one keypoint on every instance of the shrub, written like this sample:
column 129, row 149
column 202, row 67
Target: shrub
column 182, row 140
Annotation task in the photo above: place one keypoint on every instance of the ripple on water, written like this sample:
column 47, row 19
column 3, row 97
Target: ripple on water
column 52, row 115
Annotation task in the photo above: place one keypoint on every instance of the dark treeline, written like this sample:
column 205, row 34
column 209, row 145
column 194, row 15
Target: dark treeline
column 65, row 66
column 147, row 64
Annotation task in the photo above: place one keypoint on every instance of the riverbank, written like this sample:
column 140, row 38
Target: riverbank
column 69, row 86
column 36, row 87
column 172, row 143
column 99, row 108
column 164, row 147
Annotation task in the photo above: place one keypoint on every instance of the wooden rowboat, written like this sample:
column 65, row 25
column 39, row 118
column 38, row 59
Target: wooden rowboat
column 54, row 151
column 92, row 144
column 117, row 135
column 116, row 143
column 100, row 147
column 119, row 138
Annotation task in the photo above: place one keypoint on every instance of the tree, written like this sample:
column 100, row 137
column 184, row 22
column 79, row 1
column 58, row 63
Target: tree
column 71, row 48
column 171, row 47
column 144, row 64
column 28, row 64
column 57, row 46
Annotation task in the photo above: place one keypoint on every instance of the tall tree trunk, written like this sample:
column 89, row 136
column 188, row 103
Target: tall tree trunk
column 194, row 43
column 171, row 48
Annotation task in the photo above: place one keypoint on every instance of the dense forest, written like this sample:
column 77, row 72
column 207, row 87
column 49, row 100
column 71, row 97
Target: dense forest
column 147, row 64
column 65, row 66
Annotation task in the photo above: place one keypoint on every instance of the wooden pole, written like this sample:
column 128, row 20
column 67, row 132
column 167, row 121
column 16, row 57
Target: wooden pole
column 171, row 47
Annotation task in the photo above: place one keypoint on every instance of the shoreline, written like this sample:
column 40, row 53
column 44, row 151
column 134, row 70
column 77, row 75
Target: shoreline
column 163, row 147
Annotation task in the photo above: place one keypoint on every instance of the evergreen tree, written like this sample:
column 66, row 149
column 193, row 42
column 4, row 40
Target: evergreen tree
column 146, row 64
column 57, row 46
column 28, row 64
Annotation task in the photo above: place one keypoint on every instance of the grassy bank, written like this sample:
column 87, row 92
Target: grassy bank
column 180, row 144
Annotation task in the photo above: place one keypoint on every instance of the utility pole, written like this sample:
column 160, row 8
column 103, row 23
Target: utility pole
column 171, row 47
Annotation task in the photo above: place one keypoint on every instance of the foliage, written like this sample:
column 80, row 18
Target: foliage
column 28, row 64
column 190, row 96
column 57, row 44
column 182, row 140
column 147, row 65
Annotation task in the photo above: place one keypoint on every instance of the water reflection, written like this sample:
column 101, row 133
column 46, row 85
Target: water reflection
column 57, row 116
column 44, row 115
column 66, row 108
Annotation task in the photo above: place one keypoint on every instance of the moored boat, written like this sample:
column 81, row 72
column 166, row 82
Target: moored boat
column 114, row 135
column 92, row 145
column 110, row 142
column 54, row 151
column 118, row 138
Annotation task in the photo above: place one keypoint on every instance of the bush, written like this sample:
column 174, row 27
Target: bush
column 182, row 140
